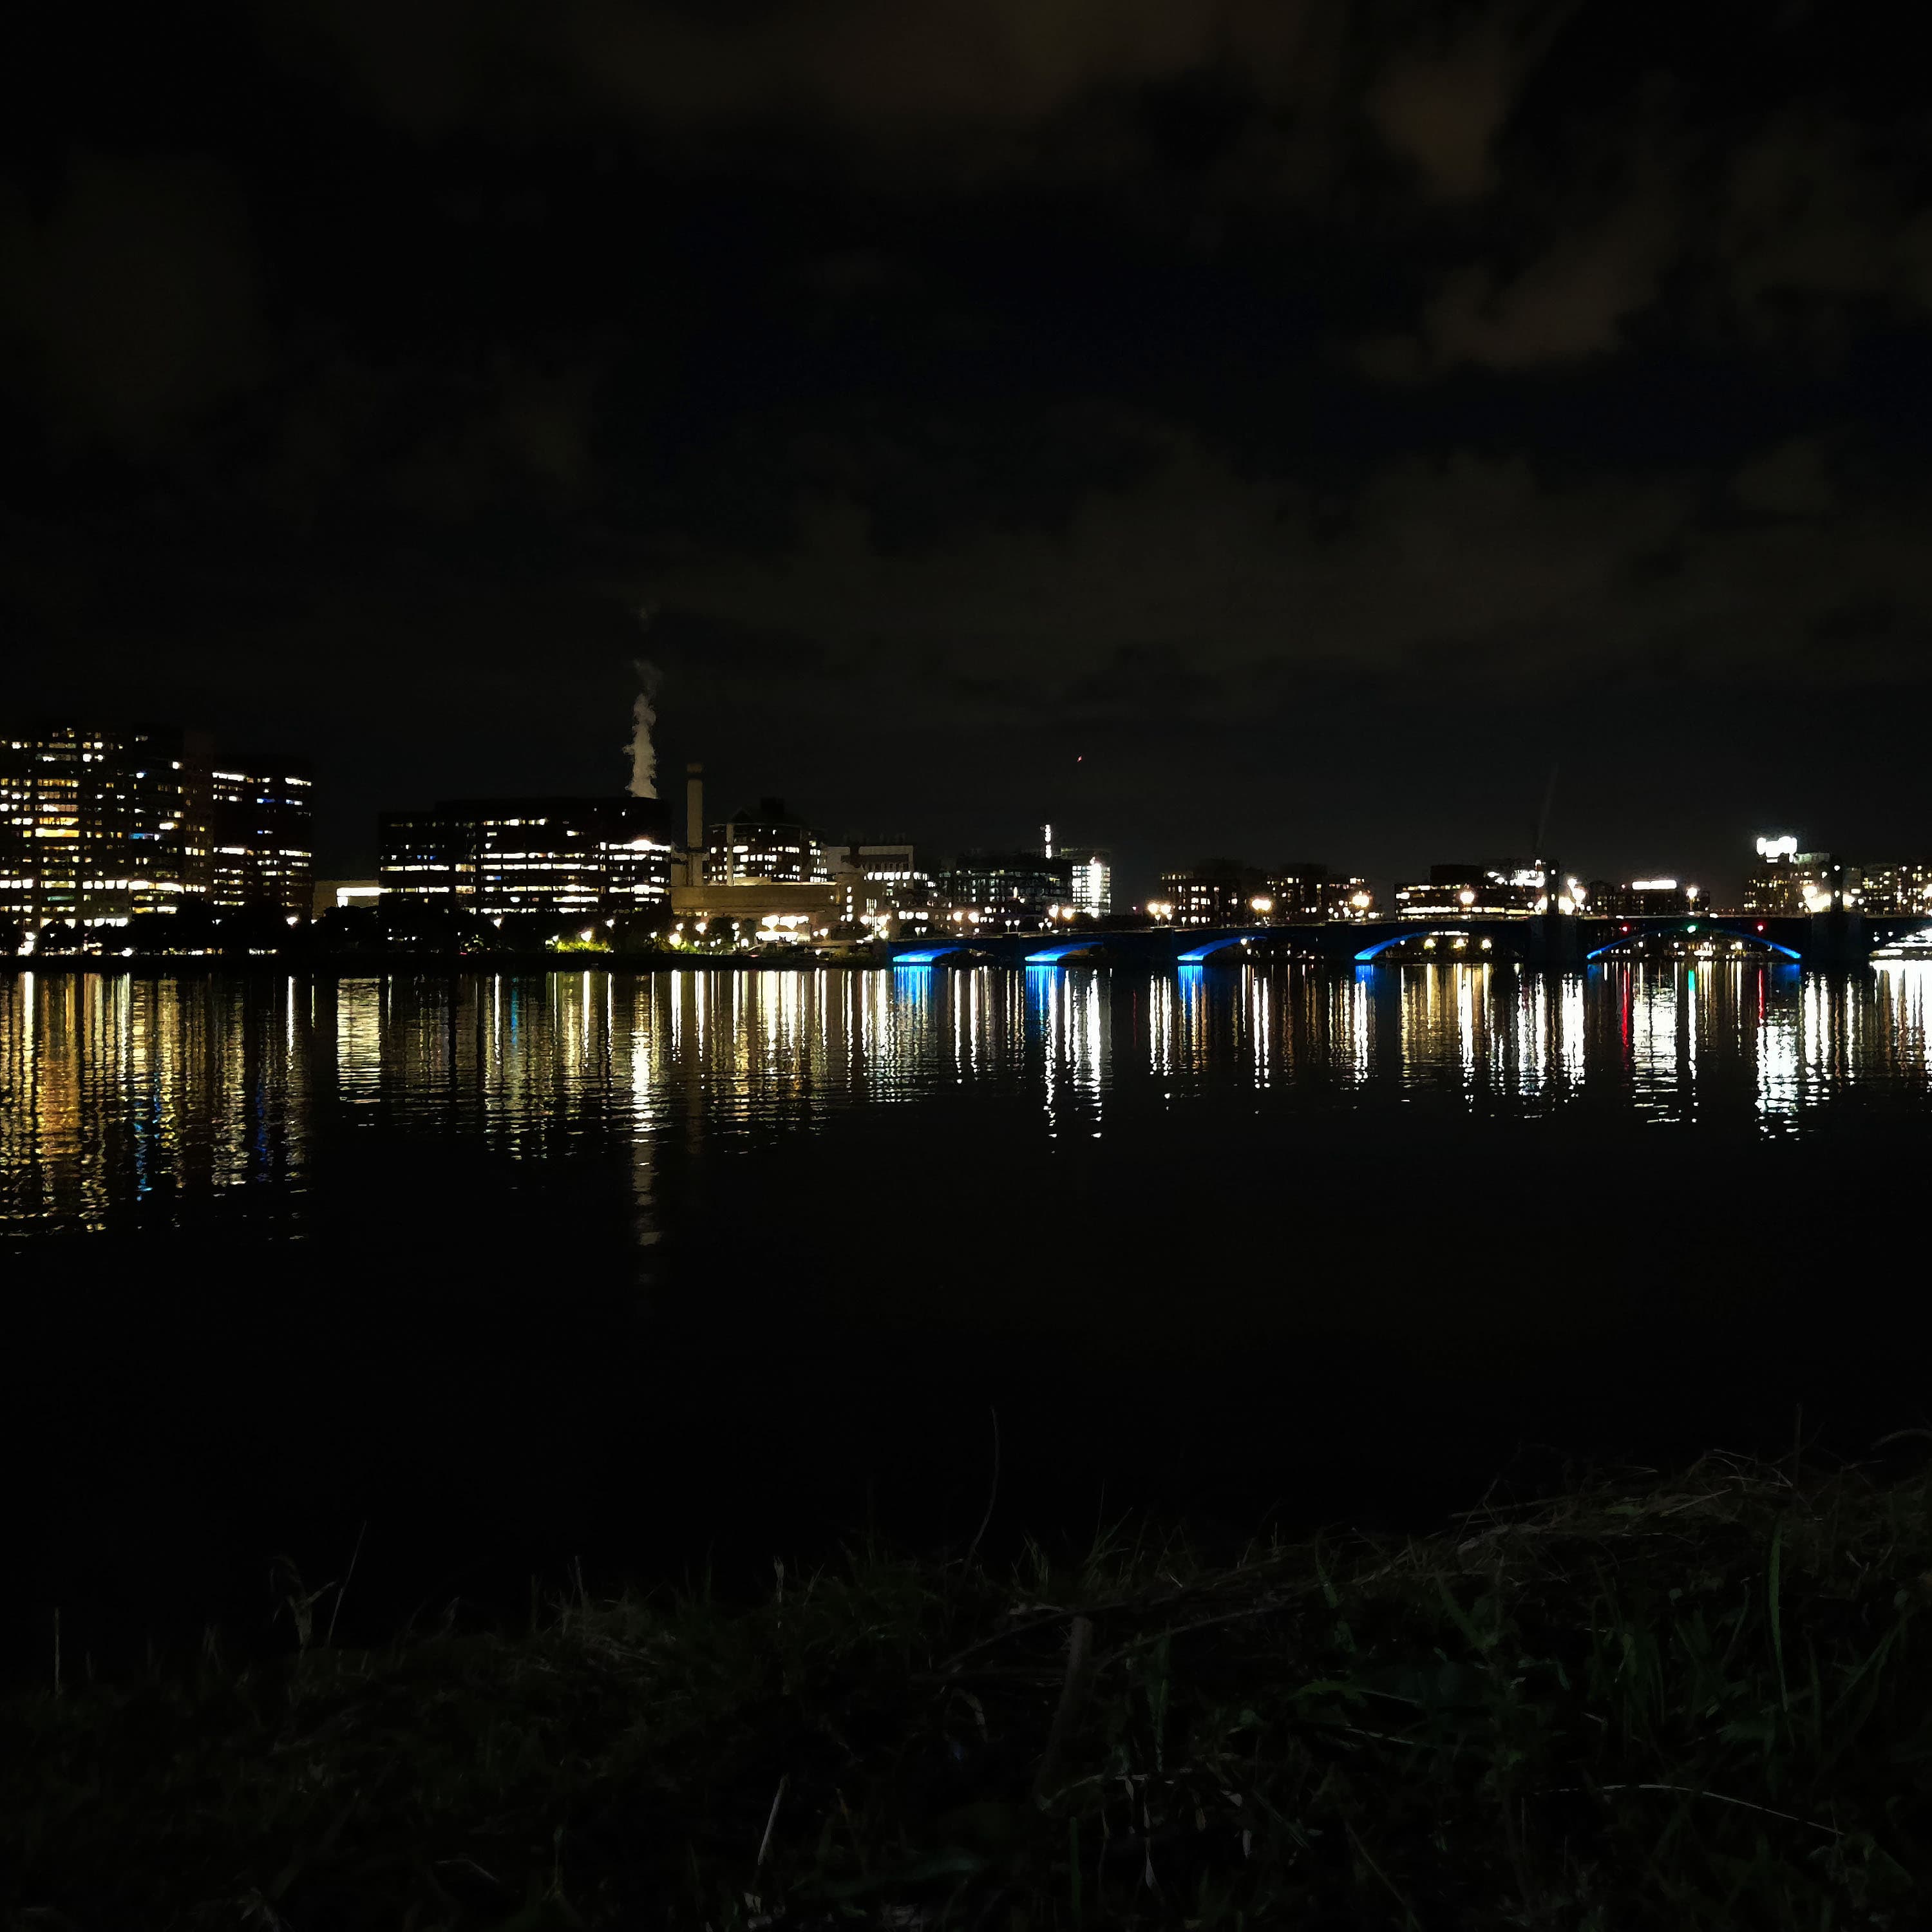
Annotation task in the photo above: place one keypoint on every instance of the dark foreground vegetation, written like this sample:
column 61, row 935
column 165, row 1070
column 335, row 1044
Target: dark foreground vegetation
column 1701, row 1701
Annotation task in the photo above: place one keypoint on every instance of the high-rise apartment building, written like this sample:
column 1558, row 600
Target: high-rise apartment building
column 98, row 824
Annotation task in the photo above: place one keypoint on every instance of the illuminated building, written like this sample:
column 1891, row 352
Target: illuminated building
column 1649, row 898
column 877, row 882
column 1005, row 892
column 344, row 896
column 762, row 908
column 97, row 825
column 260, row 847
column 1473, row 892
column 428, row 856
column 1090, row 881
column 1309, row 891
column 1895, row 888
column 1219, row 891
column 764, row 842
column 1785, row 880
column 499, row 856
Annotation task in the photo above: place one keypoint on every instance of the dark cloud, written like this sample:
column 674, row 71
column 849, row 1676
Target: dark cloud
column 130, row 295
column 866, row 71
column 1431, row 571
column 1442, row 102
column 1245, row 389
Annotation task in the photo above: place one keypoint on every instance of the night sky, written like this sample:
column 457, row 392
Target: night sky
column 1281, row 429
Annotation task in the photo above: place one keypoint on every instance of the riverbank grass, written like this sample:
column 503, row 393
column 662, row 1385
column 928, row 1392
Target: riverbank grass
column 1705, row 1701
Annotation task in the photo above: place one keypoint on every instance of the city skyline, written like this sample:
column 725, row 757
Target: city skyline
column 228, row 840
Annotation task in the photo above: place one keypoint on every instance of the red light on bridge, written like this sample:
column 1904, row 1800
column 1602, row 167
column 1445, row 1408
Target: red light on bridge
column 1760, row 926
column 1623, row 928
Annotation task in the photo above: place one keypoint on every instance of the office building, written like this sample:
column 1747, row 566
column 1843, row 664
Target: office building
column 260, row 846
column 427, row 856
column 497, row 857
column 98, row 824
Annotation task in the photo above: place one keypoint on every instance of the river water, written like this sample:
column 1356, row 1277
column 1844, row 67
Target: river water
column 498, row 1274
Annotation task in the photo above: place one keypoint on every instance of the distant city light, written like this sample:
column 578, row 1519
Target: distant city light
column 1783, row 846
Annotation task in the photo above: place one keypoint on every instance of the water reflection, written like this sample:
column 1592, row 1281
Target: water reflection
column 122, row 1097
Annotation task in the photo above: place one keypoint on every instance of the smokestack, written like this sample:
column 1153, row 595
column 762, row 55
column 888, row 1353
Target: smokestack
column 694, row 821
column 643, row 715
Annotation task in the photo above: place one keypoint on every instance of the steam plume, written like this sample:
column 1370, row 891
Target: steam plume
column 643, row 715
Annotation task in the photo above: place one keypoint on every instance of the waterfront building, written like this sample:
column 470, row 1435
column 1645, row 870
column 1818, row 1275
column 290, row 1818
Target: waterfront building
column 260, row 844
column 1895, row 886
column 537, row 855
column 1308, row 891
column 427, row 857
column 1646, row 898
column 570, row 857
column 100, row 824
column 877, row 883
column 344, row 896
column 97, row 824
column 1460, row 890
column 1785, row 881
column 1216, row 893
column 766, row 909
column 1090, row 879
column 1005, row 892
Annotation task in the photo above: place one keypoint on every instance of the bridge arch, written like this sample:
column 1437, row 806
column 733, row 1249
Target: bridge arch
column 928, row 956
column 1220, row 942
column 1717, row 928
column 1480, row 941
column 1064, row 949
